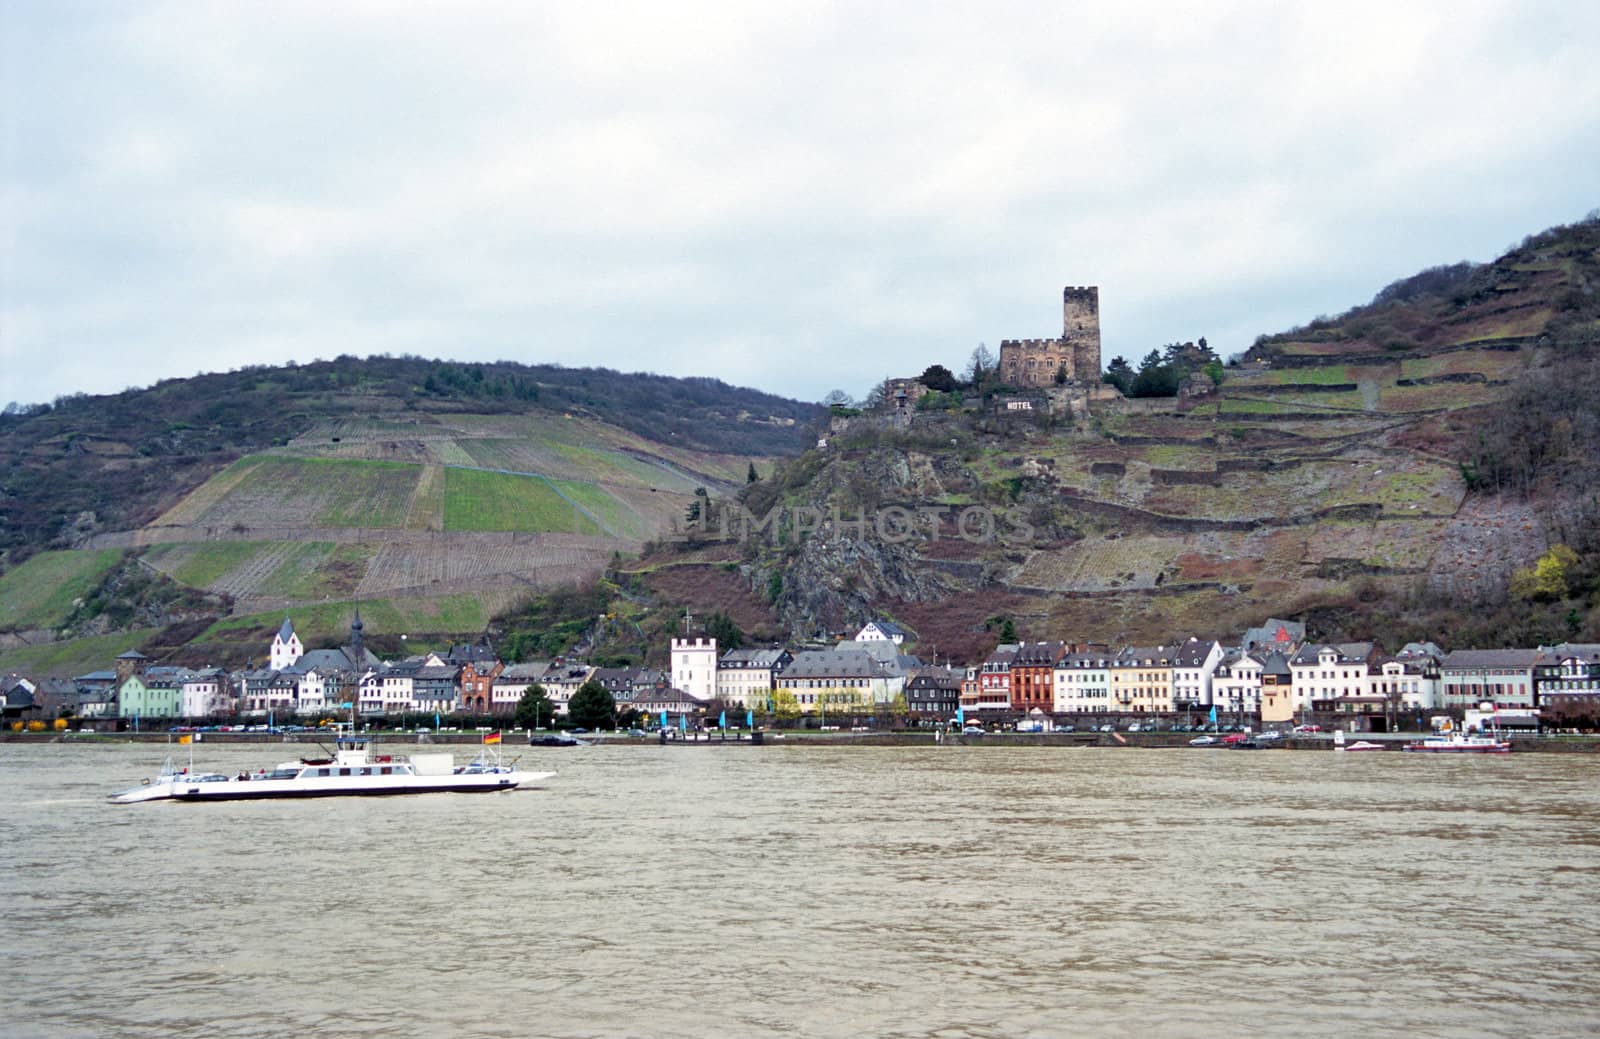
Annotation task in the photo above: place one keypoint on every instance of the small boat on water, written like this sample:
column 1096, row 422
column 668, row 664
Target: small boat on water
column 353, row 770
column 1460, row 743
column 557, row 739
column 1360, row 745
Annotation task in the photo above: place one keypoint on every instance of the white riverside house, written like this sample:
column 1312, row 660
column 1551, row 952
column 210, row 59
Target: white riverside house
column 206, row 693
column 1082, row 683
column 397, row 686
column 562, row 680
column 694, row 667
column 1236, row 684
column 1194, row 663
column 1332, row 676
column 745, row 677
column 1569, row 674
column 512, row 682
column 1503, row 677
column 1410, row 677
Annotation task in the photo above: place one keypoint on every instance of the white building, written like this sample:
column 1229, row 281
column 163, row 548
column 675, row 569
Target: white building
column 1503, row 677
column 881, row 631
column 286, row 648
column 745, row 677
column 1327, row 673
column 694, row 667
column 563, row 680
column 1411, row 677
column 1193, row 666
column 1082, row 683
column 1236, row 684
column 206, row 694
column 512, row 682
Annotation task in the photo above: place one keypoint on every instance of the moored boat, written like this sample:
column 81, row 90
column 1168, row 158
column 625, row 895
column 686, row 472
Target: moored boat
column 556, row 739
column 353, row 770
column 1460, row 743
column 1360, row 745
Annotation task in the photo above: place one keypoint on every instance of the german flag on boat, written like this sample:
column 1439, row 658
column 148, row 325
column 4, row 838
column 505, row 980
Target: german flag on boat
column 492, row 737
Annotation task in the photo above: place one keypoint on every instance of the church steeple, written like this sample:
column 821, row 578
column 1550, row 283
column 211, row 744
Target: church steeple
column 357, row 650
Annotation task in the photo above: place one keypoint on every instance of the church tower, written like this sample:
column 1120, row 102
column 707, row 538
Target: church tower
column 358, row 651
column 286, row 648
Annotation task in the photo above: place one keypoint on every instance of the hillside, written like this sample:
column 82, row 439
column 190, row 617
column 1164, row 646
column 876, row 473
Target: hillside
column 433, row 494
column 1386, row 472
column 1391, row 472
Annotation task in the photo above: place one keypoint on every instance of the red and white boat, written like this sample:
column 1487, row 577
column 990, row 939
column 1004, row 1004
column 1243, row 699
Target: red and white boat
column 1460, row 743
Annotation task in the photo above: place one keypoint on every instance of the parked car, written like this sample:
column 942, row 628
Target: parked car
column 1204, row 741
column 1269, row 737
column 1308, row 728
column 1108, row 727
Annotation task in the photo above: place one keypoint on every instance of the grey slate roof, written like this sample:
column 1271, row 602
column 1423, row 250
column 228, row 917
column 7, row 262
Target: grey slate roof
column 1267, row 634
column 1487, row 658
column 286, row 630
column 1349, row 652
column 530, row 672
column 1192, row 653
column 751, row 658
column 1038, row 654
column 824, row 663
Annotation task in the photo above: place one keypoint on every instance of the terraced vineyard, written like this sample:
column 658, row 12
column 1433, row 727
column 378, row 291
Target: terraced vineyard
column 40, row 593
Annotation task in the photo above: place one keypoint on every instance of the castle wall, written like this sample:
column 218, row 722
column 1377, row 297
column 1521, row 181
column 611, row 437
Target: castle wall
column 1035, row 362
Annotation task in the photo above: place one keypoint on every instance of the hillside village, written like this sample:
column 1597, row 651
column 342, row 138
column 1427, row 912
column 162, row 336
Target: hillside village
column 1270, row 676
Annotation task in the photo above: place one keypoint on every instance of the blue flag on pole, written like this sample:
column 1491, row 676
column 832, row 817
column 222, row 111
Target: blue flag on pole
column 749, row 719
column 1213, row 714
column 722, row 720
column 436, row 720
column 683, row 722
column 961, row 716
column 663, row 718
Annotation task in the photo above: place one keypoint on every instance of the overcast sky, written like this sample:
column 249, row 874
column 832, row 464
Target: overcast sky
column 790, row 196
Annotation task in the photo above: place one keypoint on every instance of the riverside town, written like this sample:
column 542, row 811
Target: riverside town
column 1269, row 680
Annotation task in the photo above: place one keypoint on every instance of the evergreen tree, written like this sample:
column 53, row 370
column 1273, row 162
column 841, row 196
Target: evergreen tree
column 534, row 710
column 592, row 707
column 721, row 627
column 1119, row 374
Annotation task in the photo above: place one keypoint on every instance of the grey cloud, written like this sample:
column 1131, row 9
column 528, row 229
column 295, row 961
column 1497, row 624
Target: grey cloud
column 796, row 200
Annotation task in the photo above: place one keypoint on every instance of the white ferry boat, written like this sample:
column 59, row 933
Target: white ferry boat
column 1460, row 743
column 353, row 770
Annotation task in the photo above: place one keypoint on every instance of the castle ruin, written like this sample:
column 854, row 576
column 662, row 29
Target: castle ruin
column 1074, row 358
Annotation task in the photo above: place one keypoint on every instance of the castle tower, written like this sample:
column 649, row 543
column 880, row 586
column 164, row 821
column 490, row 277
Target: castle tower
column 1080, row 330
column 1038, row 362
column 129, row 663
column 694, row 667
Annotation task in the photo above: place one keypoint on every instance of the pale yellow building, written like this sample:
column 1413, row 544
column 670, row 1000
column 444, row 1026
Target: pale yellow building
column 1141, row 679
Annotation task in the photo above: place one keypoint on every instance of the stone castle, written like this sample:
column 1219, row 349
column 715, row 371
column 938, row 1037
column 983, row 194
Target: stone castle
column 1074, row 358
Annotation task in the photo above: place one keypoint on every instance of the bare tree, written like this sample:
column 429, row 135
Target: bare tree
column 979, row 365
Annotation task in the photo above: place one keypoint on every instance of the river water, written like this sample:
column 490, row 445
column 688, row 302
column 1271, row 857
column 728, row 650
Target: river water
column 813, row 891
